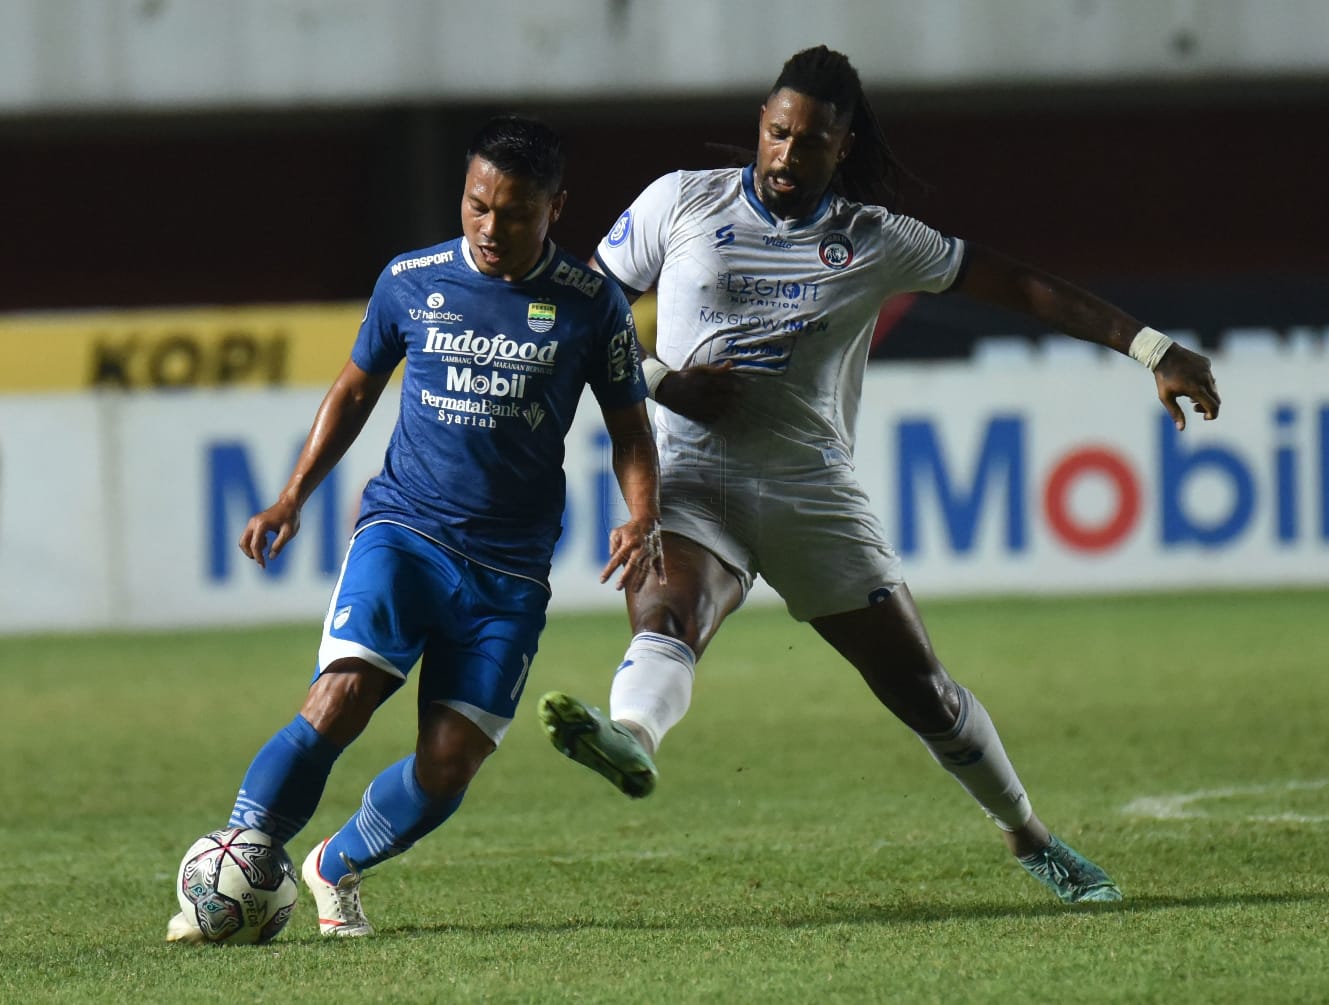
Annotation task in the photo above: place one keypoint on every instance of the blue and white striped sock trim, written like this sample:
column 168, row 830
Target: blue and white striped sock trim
column 248, row 813
column 675, row 648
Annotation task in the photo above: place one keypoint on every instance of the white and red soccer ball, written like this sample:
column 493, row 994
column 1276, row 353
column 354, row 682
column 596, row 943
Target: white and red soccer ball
column 237, row 885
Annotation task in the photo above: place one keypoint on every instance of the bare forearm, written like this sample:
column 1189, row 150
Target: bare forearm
column 1059, row 304
column 339, row 419
column 638, row 474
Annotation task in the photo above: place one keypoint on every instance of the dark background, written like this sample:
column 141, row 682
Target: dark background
column 1196, row 209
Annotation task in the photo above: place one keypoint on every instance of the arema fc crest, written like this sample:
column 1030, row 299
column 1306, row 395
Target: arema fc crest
column 836, row 251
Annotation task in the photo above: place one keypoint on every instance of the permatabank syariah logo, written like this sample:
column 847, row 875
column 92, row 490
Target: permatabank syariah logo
column 434, row 300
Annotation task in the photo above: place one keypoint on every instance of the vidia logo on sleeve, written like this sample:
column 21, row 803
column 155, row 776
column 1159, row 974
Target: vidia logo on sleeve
column 540, row 317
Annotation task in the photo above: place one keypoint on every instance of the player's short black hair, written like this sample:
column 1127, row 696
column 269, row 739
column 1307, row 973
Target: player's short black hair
column 871, row 173
column 526, row 148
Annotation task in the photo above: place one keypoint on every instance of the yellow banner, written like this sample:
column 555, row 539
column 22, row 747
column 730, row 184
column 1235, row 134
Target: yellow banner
column 282, row 345
column 276, row 345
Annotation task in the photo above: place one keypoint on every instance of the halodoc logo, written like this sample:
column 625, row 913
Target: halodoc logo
column 433, row 310
column 484, row 350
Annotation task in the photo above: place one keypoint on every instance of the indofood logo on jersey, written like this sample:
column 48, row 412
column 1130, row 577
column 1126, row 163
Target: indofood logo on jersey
column 498, row 349
column 836, row 251
column 540, row 317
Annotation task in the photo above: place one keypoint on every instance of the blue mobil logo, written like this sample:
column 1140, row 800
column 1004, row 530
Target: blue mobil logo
column 1282, row 485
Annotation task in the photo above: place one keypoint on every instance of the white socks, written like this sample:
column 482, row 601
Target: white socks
column 973, row 754
column 653, row 685
column 653, row 688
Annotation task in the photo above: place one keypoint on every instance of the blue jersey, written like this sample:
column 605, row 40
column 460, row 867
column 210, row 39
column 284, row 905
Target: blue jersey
column 494, row 371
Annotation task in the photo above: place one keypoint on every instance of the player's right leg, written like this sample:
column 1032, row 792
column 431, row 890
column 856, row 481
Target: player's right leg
column 672, row 624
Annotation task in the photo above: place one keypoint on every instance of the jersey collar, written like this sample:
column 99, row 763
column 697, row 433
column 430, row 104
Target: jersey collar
column 750, row 193
column 551, row 249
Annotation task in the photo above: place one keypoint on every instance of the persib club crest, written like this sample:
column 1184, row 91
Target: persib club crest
column 836, row 251
column 540, row 317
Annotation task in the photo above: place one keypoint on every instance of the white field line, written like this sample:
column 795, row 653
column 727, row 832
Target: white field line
column 1183, row 805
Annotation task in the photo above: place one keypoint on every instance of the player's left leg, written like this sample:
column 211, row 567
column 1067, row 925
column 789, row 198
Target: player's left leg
column 890, row 648
column 405, row 802
column 834, row 570
column 471, row 678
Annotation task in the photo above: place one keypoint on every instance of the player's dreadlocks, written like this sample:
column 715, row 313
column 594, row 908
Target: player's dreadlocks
column 523, row 147
column 870, row 173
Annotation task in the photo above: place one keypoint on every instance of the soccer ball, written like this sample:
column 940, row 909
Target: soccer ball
column 237, row 885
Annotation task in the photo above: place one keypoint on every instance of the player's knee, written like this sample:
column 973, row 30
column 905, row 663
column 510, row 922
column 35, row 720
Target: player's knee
column 447, row 774
column 932, row 704
column 449, row 754
column 342, row 700
column 666, row 618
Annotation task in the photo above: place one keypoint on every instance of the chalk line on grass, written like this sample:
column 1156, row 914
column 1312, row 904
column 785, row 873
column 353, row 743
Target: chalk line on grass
column 1185, row 805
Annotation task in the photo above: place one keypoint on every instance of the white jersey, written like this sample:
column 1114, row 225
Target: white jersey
column 792, row 303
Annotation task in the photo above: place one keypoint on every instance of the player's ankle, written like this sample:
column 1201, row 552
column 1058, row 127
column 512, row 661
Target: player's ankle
column 1029, row 839
column 640, row 734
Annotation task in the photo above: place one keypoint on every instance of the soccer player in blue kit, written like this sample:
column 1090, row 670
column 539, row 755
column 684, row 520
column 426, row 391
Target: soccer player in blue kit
column 769, row 279
column 501, row 331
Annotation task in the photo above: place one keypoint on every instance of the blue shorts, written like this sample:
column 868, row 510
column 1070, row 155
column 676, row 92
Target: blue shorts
column 403, row 597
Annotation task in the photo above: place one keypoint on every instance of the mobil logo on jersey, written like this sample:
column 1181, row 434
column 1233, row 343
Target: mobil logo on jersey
column 1042, row 485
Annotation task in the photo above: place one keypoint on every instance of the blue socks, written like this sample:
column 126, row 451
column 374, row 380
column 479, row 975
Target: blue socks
column 394, row 814
column 285, row 781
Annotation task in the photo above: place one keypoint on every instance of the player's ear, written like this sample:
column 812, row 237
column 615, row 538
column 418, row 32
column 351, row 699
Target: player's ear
column 556, row 205
column 845, row 147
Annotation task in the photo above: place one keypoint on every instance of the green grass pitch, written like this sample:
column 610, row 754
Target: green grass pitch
column 801, row 847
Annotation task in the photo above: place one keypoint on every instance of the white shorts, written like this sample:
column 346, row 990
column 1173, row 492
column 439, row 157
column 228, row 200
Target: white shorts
column 814, row 539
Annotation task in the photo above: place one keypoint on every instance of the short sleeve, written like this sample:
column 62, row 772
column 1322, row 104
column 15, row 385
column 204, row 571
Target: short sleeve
column 925, row 260
column 380, row 344
column 634, row 249
column 615, row 368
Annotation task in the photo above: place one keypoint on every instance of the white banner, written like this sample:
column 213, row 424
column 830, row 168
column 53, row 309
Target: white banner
column 123, row 511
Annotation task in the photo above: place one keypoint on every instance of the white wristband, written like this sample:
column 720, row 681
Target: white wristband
column 654, row 371
column 1148, row 347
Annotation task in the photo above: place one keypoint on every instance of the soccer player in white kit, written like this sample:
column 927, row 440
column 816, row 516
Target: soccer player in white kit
column 769, row 280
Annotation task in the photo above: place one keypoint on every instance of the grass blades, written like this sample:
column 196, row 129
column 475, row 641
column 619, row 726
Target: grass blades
column 801, row 846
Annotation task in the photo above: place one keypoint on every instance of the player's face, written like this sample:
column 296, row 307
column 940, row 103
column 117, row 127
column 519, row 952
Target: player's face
column 800, row 143
column 505, row 219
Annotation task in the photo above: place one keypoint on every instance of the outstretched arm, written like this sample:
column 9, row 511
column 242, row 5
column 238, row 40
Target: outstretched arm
column 635, row 546
column 337, row 423
column 1004, row 282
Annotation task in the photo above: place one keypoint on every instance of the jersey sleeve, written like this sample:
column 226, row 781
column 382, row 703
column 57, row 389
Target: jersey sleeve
column 615, row 364
column 925, row 260
column 380, row 344
column 634, row 249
